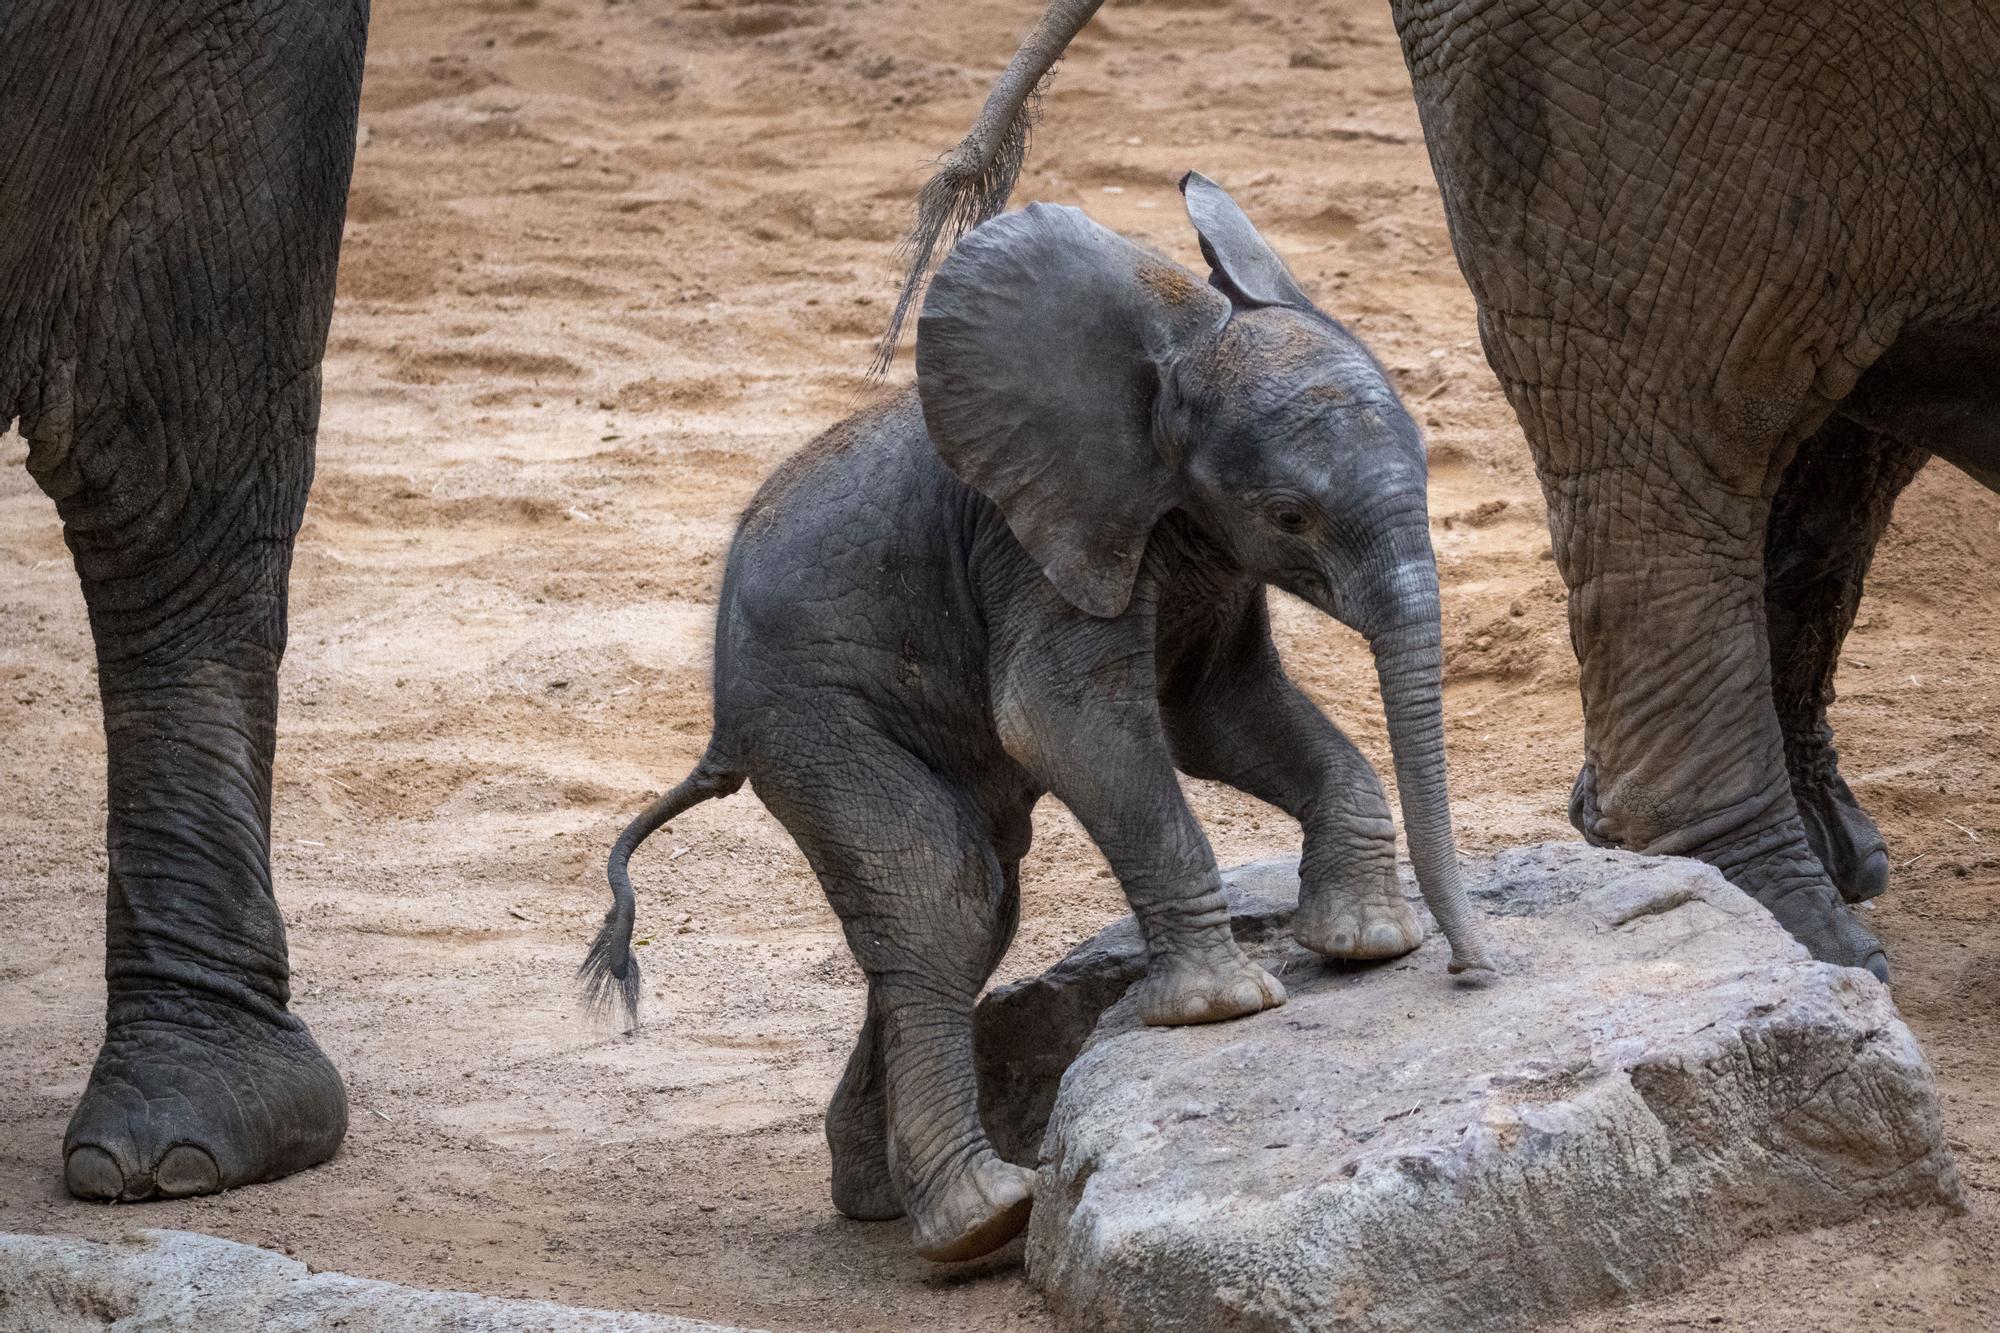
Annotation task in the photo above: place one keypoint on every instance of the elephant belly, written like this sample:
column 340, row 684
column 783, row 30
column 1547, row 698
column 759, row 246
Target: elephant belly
column 1939, row 389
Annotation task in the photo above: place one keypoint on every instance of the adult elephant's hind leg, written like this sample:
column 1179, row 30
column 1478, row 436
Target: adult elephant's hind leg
column 1683, row 751
column 1828, row 516
column 927, row 909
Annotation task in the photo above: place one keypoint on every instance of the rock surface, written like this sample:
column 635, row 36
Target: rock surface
column 1661, row 1074
column 175, row 1280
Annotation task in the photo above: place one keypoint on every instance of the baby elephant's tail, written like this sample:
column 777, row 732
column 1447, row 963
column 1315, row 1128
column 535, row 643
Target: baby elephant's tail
column 609, row 968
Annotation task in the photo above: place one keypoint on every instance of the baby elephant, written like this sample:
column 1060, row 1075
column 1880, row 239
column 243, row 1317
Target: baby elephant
column 1044, row 571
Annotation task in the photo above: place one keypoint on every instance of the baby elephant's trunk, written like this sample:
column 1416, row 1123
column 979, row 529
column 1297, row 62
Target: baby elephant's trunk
column 610, row 968
column 1409, row 659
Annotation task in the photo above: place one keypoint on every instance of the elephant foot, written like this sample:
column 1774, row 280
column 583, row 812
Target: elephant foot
column 201, row 1104
column 1178, row 990
column 1818, row 919
column 1343, row 923
column 982, row 1208
column 1842, row 835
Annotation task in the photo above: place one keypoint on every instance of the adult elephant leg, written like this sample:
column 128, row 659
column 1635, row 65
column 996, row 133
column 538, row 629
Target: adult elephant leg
column 927, row 910
column 1665, row 563
column 206, row 1079
column 173, row 425
column 1828, row 515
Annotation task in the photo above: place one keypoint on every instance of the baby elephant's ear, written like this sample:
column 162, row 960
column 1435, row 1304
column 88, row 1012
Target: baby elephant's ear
column 1242, row 264
column 1041, row 353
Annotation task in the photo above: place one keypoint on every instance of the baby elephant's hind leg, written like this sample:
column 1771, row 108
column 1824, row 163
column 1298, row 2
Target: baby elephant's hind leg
column 857, row 1131
column 926, row 909
column 857, row 1119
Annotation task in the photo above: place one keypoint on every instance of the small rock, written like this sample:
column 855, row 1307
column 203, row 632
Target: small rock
column 185, row 1280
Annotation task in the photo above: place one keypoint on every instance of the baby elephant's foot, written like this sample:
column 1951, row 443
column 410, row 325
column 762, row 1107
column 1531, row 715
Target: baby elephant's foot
column 979, row 1210
column 200, row 1106
column 1177, row 991
column 1344, row 924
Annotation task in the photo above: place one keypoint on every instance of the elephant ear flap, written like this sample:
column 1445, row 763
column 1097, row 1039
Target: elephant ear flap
column 1041, row 352
column 1242, row 265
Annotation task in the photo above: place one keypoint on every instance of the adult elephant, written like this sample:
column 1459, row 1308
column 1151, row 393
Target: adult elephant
column 173, row 179
column 1738, row 271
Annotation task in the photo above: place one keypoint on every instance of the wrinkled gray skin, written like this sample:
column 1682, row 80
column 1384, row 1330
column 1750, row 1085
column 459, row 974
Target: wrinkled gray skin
column 172, row 184
column 1734, row 322
column 1044, row 571
column 1738, row 270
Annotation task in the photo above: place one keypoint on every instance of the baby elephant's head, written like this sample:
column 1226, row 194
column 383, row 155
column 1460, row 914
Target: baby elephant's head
column 1088, row 388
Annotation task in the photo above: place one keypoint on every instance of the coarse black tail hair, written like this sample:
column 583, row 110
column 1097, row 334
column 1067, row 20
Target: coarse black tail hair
column 610, row 969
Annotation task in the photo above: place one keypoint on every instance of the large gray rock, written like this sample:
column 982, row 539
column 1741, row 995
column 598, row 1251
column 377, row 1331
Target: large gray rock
column 1661, row 1074
column 156, row 1281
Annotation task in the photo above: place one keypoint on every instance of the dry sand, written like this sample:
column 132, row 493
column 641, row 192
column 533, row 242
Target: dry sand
column 607, row 262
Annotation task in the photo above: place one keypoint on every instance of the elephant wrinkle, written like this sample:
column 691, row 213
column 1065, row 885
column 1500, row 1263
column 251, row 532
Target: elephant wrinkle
column 1685, row 360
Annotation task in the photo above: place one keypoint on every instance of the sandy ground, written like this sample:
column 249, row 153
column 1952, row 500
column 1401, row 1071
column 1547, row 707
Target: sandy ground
column 608, row 261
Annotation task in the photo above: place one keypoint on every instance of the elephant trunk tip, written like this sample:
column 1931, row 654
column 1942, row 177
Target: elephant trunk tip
column 1473, row 966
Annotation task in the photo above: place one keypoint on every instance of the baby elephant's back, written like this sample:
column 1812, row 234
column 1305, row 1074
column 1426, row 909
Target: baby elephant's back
column 851, row 552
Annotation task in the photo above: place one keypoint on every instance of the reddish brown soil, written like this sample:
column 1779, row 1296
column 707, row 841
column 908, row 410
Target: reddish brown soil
column 606, row 263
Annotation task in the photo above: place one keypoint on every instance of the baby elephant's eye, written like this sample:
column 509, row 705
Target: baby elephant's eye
column 1289, row 517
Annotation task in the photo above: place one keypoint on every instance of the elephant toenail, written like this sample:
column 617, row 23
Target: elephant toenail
column 1870, row 879
column 92, row 1173
column 1878, row 963
column 187, row 1170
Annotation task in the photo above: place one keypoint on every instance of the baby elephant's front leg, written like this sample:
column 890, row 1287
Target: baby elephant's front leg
column 1240, row 721
column 1351, row 904
column 1195, row 972
column 1077, row 705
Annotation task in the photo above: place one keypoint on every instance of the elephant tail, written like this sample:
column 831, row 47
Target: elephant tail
column 973, row 181
column 610, row 970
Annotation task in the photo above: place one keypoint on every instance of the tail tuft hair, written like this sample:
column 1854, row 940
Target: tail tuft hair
column 969, row 187
column 610, row 970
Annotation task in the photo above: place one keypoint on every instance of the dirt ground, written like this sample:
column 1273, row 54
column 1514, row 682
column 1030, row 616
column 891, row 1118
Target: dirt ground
column 607, row 262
